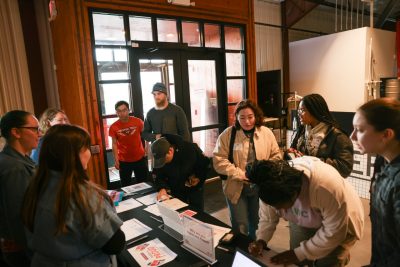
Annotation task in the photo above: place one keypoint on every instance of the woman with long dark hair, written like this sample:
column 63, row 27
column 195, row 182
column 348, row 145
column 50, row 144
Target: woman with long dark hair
column 377, row 131
column 72, row 220
column 252, row 141
column 319, row 135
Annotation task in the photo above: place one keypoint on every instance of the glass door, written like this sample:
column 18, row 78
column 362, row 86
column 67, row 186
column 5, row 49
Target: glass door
column 203, row 96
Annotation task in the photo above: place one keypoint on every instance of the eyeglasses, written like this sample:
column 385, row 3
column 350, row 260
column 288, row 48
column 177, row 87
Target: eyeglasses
column 32, row 128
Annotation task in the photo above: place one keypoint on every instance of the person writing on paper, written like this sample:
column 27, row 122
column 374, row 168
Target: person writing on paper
column 251, row 141
column 319, row 135
column 312, row 194
column 180, row 167
column 377, row 131
column 71, row 221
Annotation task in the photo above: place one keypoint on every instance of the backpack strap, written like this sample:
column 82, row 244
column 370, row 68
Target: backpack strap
column 231, row 144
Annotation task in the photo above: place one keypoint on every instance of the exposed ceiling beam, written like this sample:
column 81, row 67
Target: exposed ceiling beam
column 385, row 13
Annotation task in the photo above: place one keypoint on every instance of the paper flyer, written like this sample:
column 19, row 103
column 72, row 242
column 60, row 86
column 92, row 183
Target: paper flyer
column 148, row 199
column 127, row 205
column 134, row 228
column 135, row 188
column 152, row 253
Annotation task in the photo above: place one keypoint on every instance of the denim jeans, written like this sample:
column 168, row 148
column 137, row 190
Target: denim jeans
column 340, row 256
column 244, row 214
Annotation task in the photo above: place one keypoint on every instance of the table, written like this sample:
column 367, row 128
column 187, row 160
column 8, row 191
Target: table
column 184, row 258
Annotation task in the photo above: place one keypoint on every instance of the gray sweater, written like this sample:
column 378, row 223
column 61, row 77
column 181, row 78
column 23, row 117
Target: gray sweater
column 171, row 120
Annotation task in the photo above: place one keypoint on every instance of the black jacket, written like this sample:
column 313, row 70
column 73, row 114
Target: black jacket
column 336, row 149
column 188, row 160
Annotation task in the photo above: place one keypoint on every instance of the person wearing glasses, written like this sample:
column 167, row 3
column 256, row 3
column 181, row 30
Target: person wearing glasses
column 312, row 194
column 50, row 117
column 21, row 132
column 127, row 145
column 71, row 220
column 377, row 131
column 319, row 135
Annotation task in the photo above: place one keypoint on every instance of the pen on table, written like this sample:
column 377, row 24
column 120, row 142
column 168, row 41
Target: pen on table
column 136, row 240
column 156, row 219
column 224, row 249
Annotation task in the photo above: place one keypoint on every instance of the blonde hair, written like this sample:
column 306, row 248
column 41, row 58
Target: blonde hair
column 47, row 116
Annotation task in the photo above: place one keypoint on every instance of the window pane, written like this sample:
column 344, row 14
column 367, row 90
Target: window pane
column 108, row 29
column 233, row 38
column 167, row 31
column 235, row 90
column 206, row 140
column 191, row 33
column 106, row 127
column 234, row 64
column 203, row 92
column 112, row 64
column 141, row 29
column 111, row 94
column 212, row 35
column 231, row 114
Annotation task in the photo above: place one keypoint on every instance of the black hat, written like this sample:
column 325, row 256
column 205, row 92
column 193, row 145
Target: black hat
column 160, row 148
column 160, row 87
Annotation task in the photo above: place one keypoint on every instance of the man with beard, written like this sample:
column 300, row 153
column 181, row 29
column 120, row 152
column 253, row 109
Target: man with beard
column 165, row 117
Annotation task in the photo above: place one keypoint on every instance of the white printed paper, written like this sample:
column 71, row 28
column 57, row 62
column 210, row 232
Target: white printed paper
column 153, row 209
column 134, row 228
column 174, row 203
column 135, row 188
column 127, row 205
column 152, row 253
column 218, row 232
column 148, row 199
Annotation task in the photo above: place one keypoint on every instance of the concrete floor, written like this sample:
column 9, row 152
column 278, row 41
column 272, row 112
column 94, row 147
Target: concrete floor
column 215, row 205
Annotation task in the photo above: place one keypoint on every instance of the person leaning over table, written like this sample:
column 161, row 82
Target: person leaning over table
column 180, row 167
column 319, row 135
column 253, row 141
column 310, row 193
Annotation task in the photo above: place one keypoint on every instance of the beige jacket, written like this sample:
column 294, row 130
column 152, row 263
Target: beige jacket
column 331, row 195
column 266, row 148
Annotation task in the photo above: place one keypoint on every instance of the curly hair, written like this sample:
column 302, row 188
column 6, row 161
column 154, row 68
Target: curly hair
column 277, row 180
column 247, row 103
column 47, row 116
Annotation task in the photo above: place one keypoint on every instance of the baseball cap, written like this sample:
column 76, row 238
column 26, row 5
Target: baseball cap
column 160, row 87
column 159, row 149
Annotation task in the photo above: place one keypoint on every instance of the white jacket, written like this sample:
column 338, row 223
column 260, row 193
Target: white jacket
column 266, row 148
column 333, row 197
